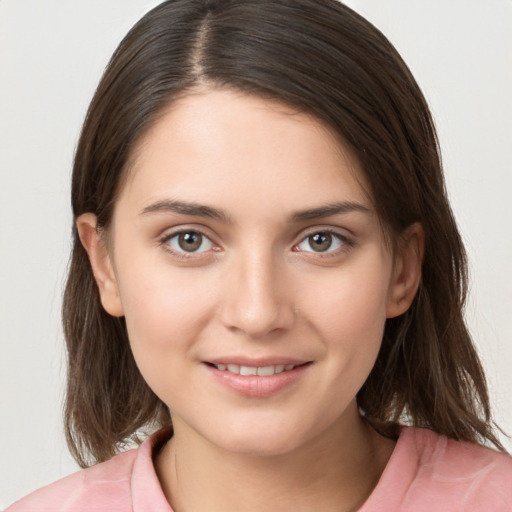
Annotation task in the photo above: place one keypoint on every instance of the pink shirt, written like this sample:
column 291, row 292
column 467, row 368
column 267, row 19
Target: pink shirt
column 426, row 472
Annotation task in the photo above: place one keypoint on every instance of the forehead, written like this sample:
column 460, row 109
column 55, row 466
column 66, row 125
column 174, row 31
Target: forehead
column 223, row 145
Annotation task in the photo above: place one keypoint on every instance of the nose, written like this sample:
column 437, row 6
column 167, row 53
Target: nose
column 257, row 299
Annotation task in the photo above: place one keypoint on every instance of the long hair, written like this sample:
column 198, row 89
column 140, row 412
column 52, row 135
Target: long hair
column 324, row 59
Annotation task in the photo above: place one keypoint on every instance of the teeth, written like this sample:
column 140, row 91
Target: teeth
column 248, row 370
column 234, row 368
column 264, row 371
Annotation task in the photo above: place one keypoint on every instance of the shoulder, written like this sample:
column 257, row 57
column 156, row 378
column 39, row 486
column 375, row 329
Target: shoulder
column 114, row 486
column 457, row 459
column 105, row 486
column 469, row 476
column 429, row 472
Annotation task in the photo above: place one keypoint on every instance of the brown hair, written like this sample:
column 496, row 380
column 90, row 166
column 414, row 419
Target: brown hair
column 323, row 58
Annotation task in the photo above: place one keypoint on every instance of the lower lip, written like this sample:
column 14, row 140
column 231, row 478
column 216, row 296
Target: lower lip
column 255, row 385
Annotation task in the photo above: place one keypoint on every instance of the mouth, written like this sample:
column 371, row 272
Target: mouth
column 257, row 379
column 261, row 371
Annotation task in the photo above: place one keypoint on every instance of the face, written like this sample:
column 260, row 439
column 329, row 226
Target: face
column 252, row 272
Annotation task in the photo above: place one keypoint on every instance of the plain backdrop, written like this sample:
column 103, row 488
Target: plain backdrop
column 52, row 54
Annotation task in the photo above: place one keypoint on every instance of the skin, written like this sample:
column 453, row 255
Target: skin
column 257, row 288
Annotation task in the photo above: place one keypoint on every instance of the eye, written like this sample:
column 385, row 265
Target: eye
column 322, row 241
column 189, row 242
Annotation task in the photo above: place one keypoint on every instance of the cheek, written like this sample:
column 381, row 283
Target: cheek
column 165, row 318
column 349, row 312
column 351, row 301
column 165, row 309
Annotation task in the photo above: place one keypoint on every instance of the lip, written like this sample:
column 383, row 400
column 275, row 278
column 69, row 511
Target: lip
column 256, row 386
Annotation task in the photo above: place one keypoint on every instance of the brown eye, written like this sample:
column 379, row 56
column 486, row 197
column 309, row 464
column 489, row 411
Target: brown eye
column 190, row 242
column 322, row 241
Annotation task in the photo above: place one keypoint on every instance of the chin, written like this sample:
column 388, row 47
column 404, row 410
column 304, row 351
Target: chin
column 259, row 440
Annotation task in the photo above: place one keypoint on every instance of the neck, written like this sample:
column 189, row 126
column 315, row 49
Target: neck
column 336, row 471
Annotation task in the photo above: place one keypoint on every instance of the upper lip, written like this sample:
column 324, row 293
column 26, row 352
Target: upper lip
column 256, row 362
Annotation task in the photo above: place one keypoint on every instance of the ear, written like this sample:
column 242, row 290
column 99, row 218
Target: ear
column 407, row 270
column 101, row 263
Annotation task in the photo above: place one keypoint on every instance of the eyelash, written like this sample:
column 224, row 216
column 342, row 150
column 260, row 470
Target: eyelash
column 346, row 243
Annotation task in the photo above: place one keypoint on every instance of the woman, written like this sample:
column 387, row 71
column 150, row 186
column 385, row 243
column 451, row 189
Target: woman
column 259, row 202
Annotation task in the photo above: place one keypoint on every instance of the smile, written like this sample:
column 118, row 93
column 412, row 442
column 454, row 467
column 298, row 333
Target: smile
column 257, row 379
column 262, row 371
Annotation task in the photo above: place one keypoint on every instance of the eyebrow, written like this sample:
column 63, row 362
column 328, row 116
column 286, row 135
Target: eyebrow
column 328, row 210
column 186, row 208
column 199, row 210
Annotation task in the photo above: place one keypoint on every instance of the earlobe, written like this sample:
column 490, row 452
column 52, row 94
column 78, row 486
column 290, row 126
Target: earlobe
column 407, row 271
column 101, row 264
